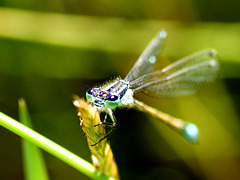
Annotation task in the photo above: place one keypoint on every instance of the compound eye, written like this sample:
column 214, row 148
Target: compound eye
column 90, row 91
column 112, row 101
column 113, row 98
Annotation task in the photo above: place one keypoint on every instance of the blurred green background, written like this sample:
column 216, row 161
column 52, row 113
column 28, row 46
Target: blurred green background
column 50, row 50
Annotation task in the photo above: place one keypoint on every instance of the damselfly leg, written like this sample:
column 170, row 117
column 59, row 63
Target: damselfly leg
column 112, row 125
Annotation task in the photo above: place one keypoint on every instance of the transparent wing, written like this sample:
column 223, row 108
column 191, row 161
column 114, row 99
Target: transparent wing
column 147, row 60
column 183, row 77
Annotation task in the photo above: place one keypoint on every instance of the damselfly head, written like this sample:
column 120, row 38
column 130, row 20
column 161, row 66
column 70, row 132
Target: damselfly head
column 102, row 99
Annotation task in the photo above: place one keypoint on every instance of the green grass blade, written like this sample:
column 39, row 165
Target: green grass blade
column 51, row 147
column 33, row 161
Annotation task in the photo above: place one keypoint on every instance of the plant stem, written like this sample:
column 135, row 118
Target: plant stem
column 102, row 155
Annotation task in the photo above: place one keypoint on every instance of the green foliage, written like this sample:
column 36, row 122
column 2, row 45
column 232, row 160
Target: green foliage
column 53, row 49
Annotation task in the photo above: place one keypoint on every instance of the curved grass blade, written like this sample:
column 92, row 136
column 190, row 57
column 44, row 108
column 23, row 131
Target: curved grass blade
column 51, row 147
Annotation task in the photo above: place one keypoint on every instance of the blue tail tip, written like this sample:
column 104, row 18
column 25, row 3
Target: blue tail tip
column 190, row 132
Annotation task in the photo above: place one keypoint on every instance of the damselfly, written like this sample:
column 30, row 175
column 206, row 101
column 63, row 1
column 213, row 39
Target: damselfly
column 182, row 77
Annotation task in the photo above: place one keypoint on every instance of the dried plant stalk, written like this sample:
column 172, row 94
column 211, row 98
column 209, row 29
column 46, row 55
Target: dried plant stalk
column 102, row 156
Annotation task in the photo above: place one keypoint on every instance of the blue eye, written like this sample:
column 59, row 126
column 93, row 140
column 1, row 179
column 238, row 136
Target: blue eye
column 112, row 101
column 90, row 94
column 113, row 98
column 90, row 91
